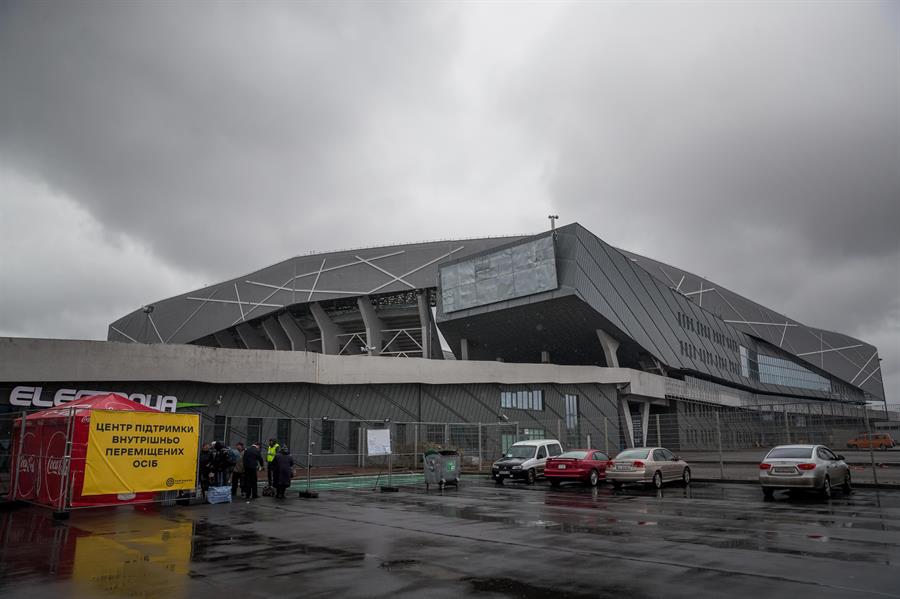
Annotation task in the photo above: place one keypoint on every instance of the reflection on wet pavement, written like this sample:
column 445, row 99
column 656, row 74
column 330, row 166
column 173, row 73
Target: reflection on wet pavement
column 478, row 540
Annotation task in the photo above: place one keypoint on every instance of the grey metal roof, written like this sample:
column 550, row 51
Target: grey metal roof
column 639, row 298
column 848, row 358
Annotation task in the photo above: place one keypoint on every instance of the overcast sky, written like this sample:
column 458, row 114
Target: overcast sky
column 149, row 148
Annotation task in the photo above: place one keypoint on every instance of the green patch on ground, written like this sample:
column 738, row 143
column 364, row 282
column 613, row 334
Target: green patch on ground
column 357, row 482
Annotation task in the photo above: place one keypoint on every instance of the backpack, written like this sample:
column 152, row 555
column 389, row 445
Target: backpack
column 233, row 456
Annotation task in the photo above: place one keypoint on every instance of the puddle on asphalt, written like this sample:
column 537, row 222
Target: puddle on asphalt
column 139, row 553
column 513, row 587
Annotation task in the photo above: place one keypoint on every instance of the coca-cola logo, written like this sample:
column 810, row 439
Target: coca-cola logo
column 55, row 466
column 27, row 464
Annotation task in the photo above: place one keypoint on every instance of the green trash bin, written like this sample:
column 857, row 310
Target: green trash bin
column 441, row 468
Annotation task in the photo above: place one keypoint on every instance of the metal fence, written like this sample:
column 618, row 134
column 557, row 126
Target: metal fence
column 702, row 426
column 340, row 445
column 334, row 452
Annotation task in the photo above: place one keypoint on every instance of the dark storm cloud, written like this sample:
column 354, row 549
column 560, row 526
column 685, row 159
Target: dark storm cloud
column 200, row 127
column 757, row 144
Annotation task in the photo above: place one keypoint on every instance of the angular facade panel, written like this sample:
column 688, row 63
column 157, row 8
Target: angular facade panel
column 564, row 296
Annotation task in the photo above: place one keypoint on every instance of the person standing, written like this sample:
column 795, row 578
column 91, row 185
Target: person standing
column 238, row 471
column 205, row 466
column 222, row 464
column 271, row 452
column 283, row 466
column 253, row 463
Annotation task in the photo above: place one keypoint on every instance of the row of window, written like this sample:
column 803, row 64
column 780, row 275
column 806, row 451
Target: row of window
column 780, row 371
column 522, row 400
column 707, row 357
column 688, row 324
column 725, row 341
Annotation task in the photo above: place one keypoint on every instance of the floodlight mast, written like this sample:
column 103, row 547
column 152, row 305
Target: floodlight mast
column 553, row 218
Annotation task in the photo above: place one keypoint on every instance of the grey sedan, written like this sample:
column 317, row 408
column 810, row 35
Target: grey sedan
column 642, row 465
column 811, row 467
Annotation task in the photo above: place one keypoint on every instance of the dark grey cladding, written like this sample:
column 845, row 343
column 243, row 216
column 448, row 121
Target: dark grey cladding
column 850, row 359
column 299, row 280
column 659, row 328
column 666, row 320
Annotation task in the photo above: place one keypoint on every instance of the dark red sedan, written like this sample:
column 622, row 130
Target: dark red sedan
column 581, row 465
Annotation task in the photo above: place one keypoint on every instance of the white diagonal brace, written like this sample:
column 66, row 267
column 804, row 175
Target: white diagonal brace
column 153, row 324
column 825, row 351
column 126, row 335
column 417, row 269
column 304, row 290
column 224, row 301
column 197, row 309
column 354, row 263
column 316, row 282
column 667, row 275
column 875, row 353
column 265, row 299
column 863, row 382
column 783, row 333
column 238, row 296
column 769, row 324
column 390, row 274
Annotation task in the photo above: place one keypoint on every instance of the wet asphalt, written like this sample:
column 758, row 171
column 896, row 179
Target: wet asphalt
column 480, row 540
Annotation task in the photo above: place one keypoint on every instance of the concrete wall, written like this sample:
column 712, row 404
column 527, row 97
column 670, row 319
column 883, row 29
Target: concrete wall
column 46, row 360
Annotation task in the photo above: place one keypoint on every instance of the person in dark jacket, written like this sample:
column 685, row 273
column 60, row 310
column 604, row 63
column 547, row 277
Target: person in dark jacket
column 221, row 464
column 253, row 463
column 283, row 470
column 238, row 472
column 205, row 468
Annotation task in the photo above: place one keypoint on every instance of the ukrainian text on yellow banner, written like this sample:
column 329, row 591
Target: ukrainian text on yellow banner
column 134, row 452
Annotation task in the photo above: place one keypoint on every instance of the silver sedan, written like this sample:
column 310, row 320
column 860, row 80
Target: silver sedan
column 811, row 467
column 642, row 465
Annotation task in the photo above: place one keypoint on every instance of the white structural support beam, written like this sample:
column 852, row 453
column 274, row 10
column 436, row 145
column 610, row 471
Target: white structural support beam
column 224, row 339
column 625, row 410
column 295, row 334
column 610, row 346
column 251, row 337
column 328, row 331
column 276, row 334
column 463, row 349
column 373, row 325
column 645, row 420
column 426, row 322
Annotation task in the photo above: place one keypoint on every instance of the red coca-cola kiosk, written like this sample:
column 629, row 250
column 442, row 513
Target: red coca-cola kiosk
column 39, row 454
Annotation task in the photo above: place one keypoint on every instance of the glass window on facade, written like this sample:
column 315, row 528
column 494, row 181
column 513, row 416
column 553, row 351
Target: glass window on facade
column 779, row 371
column 254, row 431
column 327, row 435
column 353, row 436
column 522, row 400
column 283, row 432
column 219, row 427
column 571, row 412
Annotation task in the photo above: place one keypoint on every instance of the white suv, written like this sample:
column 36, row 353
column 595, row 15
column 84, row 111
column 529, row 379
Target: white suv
column 525, row 460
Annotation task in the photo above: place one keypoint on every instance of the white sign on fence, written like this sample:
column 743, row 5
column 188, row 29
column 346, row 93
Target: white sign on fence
column 379, row 441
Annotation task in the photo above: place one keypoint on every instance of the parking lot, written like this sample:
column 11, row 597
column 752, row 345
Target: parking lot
column 478, row 540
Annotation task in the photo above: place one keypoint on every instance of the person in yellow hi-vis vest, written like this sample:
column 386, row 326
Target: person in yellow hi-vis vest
column 271, row 452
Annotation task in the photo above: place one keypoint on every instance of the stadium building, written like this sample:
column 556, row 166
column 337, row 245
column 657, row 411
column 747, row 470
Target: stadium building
column 559, row 332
